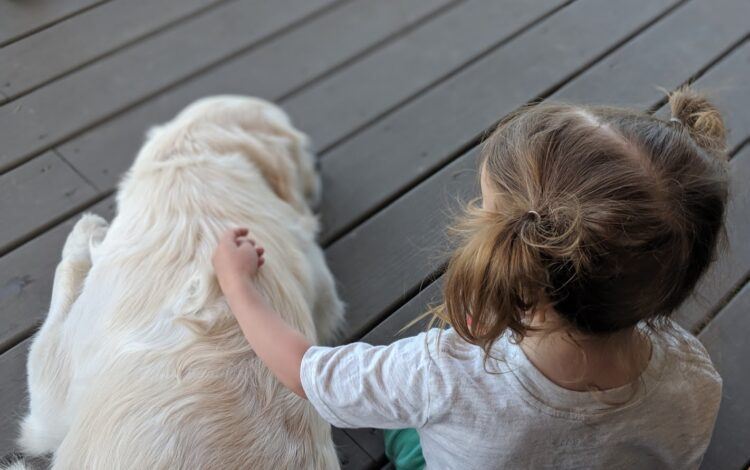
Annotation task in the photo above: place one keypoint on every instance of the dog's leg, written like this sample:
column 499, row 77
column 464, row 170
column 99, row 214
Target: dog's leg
column 328, row 311
column 48, row 366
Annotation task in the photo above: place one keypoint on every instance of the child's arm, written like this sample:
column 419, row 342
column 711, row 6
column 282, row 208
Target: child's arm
column 355, row 385
column 279, row 346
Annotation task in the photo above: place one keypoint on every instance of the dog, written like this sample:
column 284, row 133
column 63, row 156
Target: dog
column 139, row 363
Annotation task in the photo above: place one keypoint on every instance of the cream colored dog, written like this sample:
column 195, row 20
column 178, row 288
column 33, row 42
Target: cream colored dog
column 140, row 364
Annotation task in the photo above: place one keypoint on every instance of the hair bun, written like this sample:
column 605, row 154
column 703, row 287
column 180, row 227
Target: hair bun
column 702, row 119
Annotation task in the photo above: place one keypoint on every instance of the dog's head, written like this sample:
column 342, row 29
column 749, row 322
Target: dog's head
column 254, row 128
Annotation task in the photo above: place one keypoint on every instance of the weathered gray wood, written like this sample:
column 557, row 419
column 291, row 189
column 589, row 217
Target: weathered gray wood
column 367, row 171
column 26, row 278
column 13, row 403
column 381, row 262
column 271, row 71
column 338, row 105
column 13, row 398
column 725, row 339
column 668, row 54
column 268, row 68
column 370, row 441
column 39, row 191
column 28, row 63
column 19, row 18
column 351, row 455
column 55, row 112
column 733, row 264
column 392, row 328
column 725, row 86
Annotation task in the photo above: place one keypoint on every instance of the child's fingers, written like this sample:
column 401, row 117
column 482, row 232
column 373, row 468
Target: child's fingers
column 260, row 250
column 261, row 262
column 238, row 235
column 227, row 238
column 247, row 252
column 247, row 240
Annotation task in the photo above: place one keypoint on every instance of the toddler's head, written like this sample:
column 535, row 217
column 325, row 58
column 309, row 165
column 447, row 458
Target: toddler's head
column 606, row 216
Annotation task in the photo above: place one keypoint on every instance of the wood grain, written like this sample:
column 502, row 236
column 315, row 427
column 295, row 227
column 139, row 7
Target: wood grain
column 57, row 111
column 339, row 105
column 48, row 54
column 365, row 173
column 271, row 70
column 725, row 339
column 20, row 18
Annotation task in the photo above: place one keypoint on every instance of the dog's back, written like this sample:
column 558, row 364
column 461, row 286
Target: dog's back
column 160, row 375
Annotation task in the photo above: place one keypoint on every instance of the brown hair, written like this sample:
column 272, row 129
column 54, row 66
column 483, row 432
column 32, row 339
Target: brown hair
column 609, row 216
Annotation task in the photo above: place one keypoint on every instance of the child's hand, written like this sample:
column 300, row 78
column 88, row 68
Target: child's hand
column 236, row 259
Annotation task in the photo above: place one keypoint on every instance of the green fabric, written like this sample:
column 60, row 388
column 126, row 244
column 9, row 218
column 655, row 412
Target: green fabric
column 402, row 447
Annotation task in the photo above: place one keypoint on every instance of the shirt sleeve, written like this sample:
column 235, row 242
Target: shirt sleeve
column 359, row 385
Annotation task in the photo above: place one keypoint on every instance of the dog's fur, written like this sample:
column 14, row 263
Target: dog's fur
column 140, row 363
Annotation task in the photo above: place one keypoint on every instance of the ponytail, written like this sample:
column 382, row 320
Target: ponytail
column 701, row 119
column 501, row 270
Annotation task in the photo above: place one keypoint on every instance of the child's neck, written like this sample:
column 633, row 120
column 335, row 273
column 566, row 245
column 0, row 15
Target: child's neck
column 577, row 362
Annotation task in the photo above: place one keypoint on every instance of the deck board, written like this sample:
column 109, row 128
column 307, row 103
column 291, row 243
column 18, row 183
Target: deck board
column 13, row 398
column 400, row 246
column 379, row 163
column 725, row 339
column 26, row 278
column 351, row 455
column 662, row 57
column 337, row 106
column 42, row 57
column 43, row 118
column 395, row 95
column 26, row 197
column 271, row 71
column 21, row 18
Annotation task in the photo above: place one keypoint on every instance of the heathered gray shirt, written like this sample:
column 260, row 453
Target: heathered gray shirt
column 513, row 416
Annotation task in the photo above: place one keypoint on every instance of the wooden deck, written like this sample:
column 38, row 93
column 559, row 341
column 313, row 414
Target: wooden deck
column 396, row 96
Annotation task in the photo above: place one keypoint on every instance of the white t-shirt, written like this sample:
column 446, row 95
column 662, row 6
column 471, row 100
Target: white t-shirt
column 513, row 416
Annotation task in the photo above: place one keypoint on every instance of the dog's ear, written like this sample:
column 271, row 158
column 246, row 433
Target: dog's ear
column 278, row 165
column 296, row 146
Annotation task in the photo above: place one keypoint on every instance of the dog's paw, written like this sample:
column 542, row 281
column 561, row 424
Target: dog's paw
column 89, row 230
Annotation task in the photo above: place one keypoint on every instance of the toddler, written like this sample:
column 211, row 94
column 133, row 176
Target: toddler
column 595, row 224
